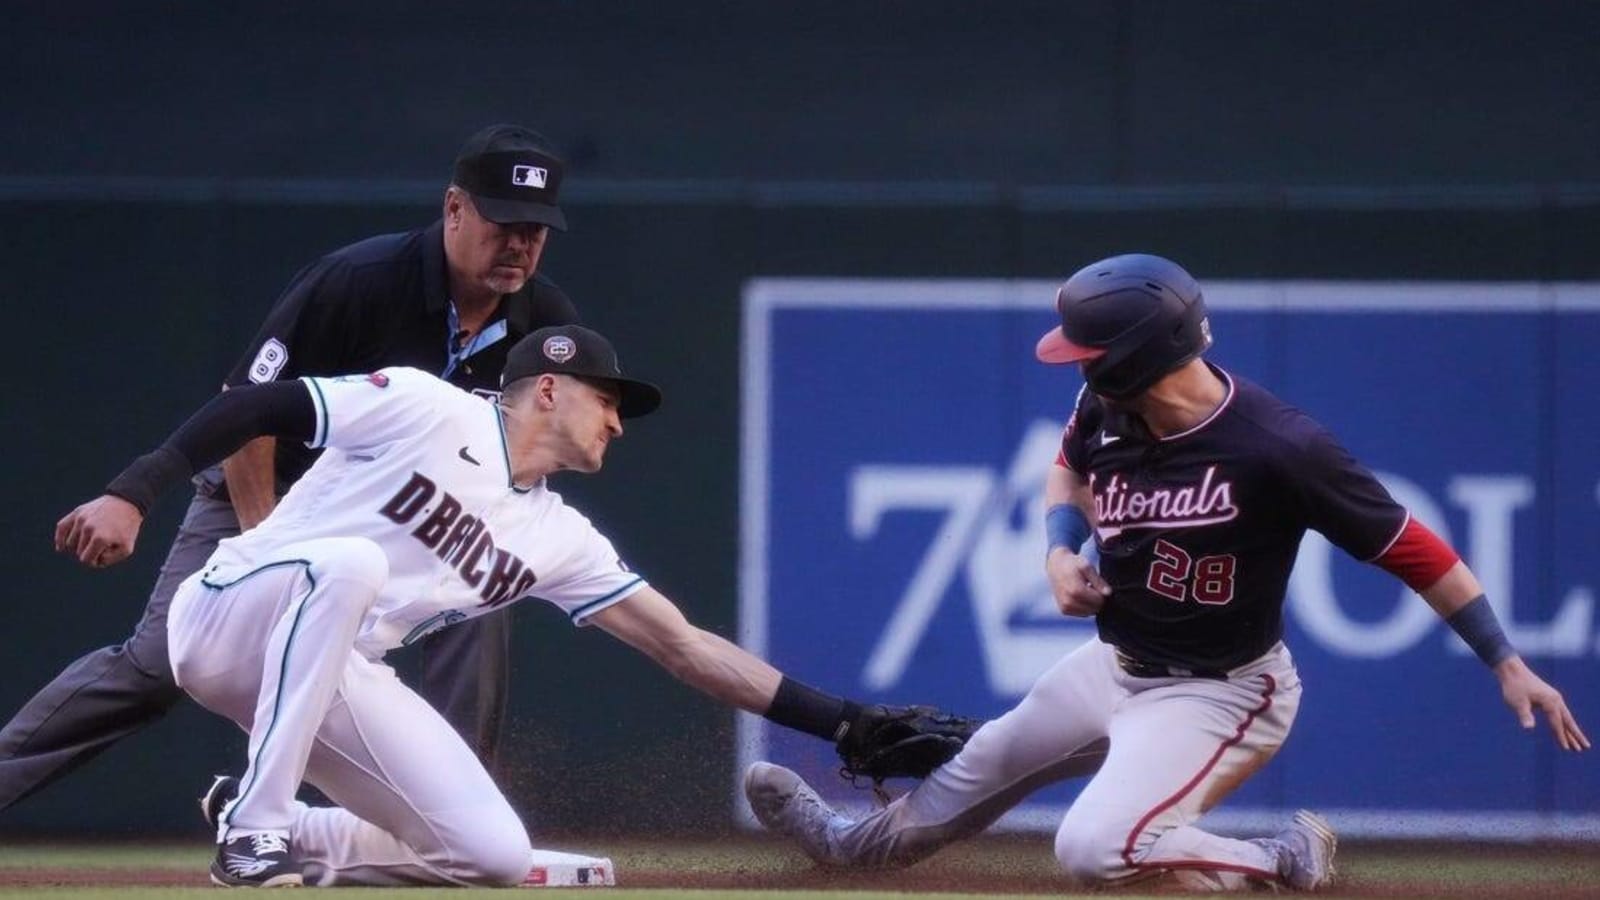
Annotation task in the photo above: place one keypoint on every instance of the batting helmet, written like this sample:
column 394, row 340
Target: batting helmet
column 1131, row 319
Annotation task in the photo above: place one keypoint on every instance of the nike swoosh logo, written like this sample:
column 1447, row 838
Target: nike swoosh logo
column 468, row 457
column 245, row 867
column 1107, row 438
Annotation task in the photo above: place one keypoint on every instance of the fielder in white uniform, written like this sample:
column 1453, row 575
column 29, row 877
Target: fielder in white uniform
column 428, row 506
column 1198, row 487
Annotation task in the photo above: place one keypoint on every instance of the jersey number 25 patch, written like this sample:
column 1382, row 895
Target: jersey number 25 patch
column 269, row 361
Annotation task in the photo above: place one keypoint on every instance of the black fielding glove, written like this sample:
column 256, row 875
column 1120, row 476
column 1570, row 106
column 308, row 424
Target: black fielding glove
column 901, row 742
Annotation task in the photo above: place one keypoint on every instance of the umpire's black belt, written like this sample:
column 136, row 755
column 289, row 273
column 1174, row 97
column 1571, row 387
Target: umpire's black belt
column 1140, row 668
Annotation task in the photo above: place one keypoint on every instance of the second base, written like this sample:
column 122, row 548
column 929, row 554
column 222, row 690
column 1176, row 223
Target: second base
column 552, row 869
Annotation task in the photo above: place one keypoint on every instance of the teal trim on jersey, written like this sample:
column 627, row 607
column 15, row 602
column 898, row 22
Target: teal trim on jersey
column 319, row 435
column 594, row 606
column 433, row 623
column 256, row 571
column 277, row 700
column 505, row 451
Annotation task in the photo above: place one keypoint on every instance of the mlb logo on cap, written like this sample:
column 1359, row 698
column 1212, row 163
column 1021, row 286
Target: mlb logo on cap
column 513, row 176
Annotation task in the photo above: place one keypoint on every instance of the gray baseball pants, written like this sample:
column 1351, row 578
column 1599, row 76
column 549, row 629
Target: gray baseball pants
column 113, row 692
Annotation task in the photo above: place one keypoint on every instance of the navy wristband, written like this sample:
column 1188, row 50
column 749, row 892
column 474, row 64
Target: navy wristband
column 1477, row 625
column 802, row 707
column 1066, row 526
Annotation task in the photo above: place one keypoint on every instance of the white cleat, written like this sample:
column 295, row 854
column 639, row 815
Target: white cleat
column 1308, row 846
column 784, row 803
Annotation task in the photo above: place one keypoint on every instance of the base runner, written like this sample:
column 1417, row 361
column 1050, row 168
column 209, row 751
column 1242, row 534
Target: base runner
column 1197, row 487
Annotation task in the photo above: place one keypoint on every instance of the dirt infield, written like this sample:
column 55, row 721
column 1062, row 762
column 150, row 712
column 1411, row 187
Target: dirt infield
column 1005, row 866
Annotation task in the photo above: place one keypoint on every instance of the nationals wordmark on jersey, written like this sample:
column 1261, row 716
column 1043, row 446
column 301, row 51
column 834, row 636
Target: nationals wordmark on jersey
column 1118, row 506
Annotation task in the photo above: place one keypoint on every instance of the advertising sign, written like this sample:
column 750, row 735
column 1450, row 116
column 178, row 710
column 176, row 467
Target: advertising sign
column 895, row 439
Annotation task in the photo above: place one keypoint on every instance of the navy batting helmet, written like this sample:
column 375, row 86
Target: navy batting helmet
column 1131, row 319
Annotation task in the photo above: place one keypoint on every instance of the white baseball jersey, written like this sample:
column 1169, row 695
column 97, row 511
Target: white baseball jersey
column 407, row 523
column 421, row 468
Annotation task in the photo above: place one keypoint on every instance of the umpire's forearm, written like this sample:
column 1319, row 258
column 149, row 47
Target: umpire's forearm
column 252, row 481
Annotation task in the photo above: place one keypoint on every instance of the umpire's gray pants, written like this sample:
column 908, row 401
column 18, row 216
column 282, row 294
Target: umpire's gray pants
column 115, row 691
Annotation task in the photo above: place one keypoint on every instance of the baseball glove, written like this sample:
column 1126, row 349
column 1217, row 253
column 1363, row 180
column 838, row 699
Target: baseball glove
column 901, row 742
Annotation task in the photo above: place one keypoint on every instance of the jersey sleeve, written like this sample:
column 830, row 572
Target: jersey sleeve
column 590, row 576
column 307, row 329
column 1075, row 439
column 362, row 412
column 1343, row 500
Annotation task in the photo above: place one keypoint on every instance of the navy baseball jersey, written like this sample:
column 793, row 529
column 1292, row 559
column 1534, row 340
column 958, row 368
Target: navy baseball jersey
column 1198, row 531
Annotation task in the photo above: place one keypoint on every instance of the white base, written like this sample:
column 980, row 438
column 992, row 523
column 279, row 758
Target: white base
column 554, row 869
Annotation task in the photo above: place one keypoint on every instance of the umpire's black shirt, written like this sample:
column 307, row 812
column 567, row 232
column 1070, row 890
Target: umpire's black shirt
column 384, row 301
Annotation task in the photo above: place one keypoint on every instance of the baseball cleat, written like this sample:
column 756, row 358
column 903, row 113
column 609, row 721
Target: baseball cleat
column 255, row 860
column 1306, row 862
column 224, row 790
column 784, row 803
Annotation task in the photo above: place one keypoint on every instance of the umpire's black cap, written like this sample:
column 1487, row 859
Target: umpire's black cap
column 576, row 350
column 513, row 176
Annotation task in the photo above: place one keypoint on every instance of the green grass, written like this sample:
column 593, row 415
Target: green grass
column 741, row 868
column 178, row 857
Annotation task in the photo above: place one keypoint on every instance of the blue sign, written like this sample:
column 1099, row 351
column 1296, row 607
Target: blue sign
column 897, row 433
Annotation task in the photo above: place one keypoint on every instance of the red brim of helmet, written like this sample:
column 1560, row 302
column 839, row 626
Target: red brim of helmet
column 1055, row 348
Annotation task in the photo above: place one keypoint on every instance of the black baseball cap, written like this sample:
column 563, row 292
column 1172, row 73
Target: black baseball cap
column 576, row 350
column 513, row 176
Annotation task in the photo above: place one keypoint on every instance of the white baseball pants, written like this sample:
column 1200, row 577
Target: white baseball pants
column 272, row 650
column 1167, row 749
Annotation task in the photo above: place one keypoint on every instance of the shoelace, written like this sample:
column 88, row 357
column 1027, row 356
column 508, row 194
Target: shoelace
column 811, row 802
column 265, row 843
column 817, row 810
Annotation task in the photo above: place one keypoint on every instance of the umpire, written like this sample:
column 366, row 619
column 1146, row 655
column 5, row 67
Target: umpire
column 450, row 299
